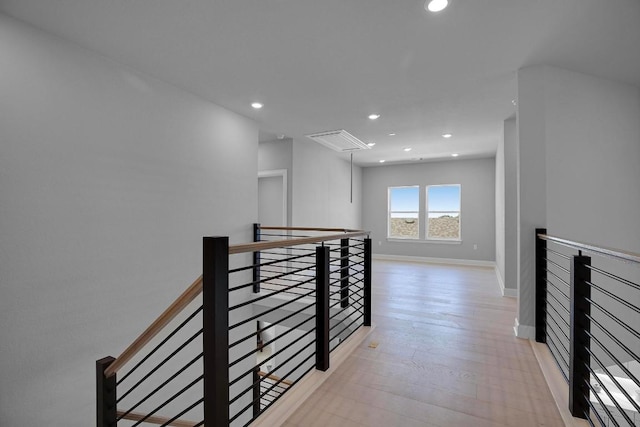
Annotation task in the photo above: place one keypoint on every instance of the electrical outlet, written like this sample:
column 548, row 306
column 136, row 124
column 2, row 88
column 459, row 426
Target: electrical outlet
column 379, row 242
column 475, row 246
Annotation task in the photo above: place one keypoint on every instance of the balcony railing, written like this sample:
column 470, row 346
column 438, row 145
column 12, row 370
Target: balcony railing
column 588, row 313
column 262, row 315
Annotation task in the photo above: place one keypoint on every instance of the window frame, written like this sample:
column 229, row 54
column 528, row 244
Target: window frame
column 427, row 212
column 389, row 212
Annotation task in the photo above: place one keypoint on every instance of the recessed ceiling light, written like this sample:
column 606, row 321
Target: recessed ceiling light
column 382, row 161
column 436, row 5
column 455, row 155
column 374, row 116
column 407, row 149
column 392, row 134
column 447, row 135
column 257, row 105
column 371, row 144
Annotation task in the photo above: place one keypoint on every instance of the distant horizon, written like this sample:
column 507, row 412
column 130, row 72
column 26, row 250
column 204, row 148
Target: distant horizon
column 405, row 201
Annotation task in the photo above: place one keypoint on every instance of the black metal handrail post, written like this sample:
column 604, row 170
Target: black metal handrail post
column 256, row 259
column 541, row 287
column 367, row 282
column 106, row 395
column 256, row 391
column 579, row 345
column 322, row 308
column 344, row 273
column 215, row 296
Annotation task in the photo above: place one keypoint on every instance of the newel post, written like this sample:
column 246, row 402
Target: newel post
column 579, row 345
column 106, row 395
column 322, row 308
column 367, row 282
column 215, row 297
column 256, row 260
column 344, row 273
column 541, row 286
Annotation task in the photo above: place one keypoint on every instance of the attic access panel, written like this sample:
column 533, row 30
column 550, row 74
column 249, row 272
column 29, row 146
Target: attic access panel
column 339, row 140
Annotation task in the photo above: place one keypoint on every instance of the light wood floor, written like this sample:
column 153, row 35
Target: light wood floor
column 446, row 356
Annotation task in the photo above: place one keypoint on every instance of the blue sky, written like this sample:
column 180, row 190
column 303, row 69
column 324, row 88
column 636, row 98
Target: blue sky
column 444, row 198
column 441, row 198
column 405, row 198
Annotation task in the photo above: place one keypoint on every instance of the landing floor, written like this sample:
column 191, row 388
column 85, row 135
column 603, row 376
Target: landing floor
column 445, row 356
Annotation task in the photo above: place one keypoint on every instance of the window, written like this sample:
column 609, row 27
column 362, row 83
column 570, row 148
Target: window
column 404, row 208
column 443, row 212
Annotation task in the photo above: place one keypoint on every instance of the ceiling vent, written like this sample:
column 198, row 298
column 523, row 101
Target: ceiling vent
column 339, row 140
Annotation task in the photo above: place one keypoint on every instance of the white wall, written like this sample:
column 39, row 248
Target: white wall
column 593, row 179
column 108, row 181
column 579, row 150
column 506, row 208
column 593, row 159
column 278, row 155
column 477, row 177
column 321, row 191
column 510, row 206
column 532, row 201
column 500, row 212
column 271, row 201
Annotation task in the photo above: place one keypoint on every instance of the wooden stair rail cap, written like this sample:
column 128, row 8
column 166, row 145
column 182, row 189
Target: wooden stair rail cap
column 167, row 316
column 196, row 288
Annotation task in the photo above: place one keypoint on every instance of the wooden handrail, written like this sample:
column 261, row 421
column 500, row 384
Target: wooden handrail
column 196, row 288
column 259, row 246
column 275, row 378
column 167, row 316
column 600, row 250
column 267, row 227
column 154, row 419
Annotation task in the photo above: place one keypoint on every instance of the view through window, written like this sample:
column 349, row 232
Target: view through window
column 443, row 212
column 404, row 210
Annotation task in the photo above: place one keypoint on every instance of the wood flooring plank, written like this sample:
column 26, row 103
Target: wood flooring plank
column 445, row 357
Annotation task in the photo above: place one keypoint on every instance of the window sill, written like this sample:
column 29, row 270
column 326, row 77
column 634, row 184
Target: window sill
column 437, row 242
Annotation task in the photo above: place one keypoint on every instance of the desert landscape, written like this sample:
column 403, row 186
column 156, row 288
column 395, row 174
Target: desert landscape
column 445, row 227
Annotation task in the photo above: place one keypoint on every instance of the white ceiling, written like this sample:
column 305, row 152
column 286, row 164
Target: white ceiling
column 324, row 65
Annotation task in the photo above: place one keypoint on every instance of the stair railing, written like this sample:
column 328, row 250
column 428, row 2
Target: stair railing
column 588, row 314
column 203, row 358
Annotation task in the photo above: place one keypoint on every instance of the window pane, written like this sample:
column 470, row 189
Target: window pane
column 444, row 198
column 443, row 212
column 443, row 225
column 404, row 205
column 403, row 228
column 404, row 199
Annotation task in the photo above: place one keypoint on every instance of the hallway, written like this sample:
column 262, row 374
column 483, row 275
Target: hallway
column 445, row 356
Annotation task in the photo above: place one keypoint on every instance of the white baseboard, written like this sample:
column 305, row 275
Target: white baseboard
column 523, row 331
column 510, row 292
column 432, row 260
column 506, row 292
